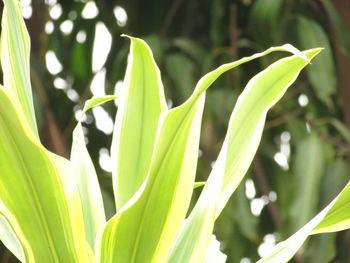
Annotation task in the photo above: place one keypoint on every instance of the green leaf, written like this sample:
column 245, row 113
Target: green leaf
column 15, row 52
column 339, row 25
column 265, row 20
column 97, row 101
column 334, row 179
column 241, row 142
column 338, row 217
column 341, row 128
column 48, row 222
column 86, row 177
column 145, row 228
column 308, row 171
column 10, row 240
column 136, row 124
column 321, row 249
column 334, row 217
column 322, row 74
column 199, row 184
column 89, row 189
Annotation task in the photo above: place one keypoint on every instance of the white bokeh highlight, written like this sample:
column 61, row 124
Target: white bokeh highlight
column 90, row 10
column 52, row 63
column 120, row 15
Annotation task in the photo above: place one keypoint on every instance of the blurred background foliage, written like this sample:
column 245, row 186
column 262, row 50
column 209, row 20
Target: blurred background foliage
column 303, row 160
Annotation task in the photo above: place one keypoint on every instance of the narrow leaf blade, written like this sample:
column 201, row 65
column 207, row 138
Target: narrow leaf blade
column 10, row 240
column 15, row 52
column 49, row 223
column 136, row 124
column 146, row 226
column 241, row 142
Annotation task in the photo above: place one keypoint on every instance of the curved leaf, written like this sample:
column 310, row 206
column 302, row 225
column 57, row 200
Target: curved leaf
column 144, row 229
column 334, row 217
column 136, row 124
column 38, row 194
column 87, row 180
column 15, row 52
column 241, row 142
column 10, row 240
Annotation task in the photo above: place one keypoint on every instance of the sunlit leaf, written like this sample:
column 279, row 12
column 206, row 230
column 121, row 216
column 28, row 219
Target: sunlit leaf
column 241, row 142
column 15, row 52
column 334, row 217
column 10, row 240
column 147, row 225
column 141, row 103
column 199, row 184
column 97, row 101
column 49, row 223
column 85, row 174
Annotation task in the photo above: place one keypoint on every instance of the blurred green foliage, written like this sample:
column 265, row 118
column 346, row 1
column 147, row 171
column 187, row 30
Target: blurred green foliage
column 303, row 160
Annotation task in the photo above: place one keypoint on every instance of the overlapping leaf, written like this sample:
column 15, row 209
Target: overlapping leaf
column 334, row 217
column 38, row 195
column 10, row 240
column 144, row 229
column 86, row 177
column 241, row 142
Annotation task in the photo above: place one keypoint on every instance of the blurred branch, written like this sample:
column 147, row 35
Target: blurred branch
column 233, row 31
column 284, row 118
column 170, row 17
column 342, row 148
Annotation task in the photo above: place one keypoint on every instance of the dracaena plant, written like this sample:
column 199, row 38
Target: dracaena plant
column 51, row 208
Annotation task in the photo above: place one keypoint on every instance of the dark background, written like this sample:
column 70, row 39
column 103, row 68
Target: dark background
column 188, row 39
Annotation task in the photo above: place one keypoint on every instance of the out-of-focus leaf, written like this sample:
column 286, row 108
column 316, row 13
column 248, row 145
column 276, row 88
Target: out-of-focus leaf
column 15, row 52
column 339, row 26
column 190, row 47
column 308, row 171
column 136, row 124
column 80, row 62
column 265, row 19
column 246, row 123
column 322, row 74
column 321, row 249
column 49, row 224
column 180, row 69
column 9, row 239
column 216, row 29
column 342, row 129
column 242, row 214
column 334, row 179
